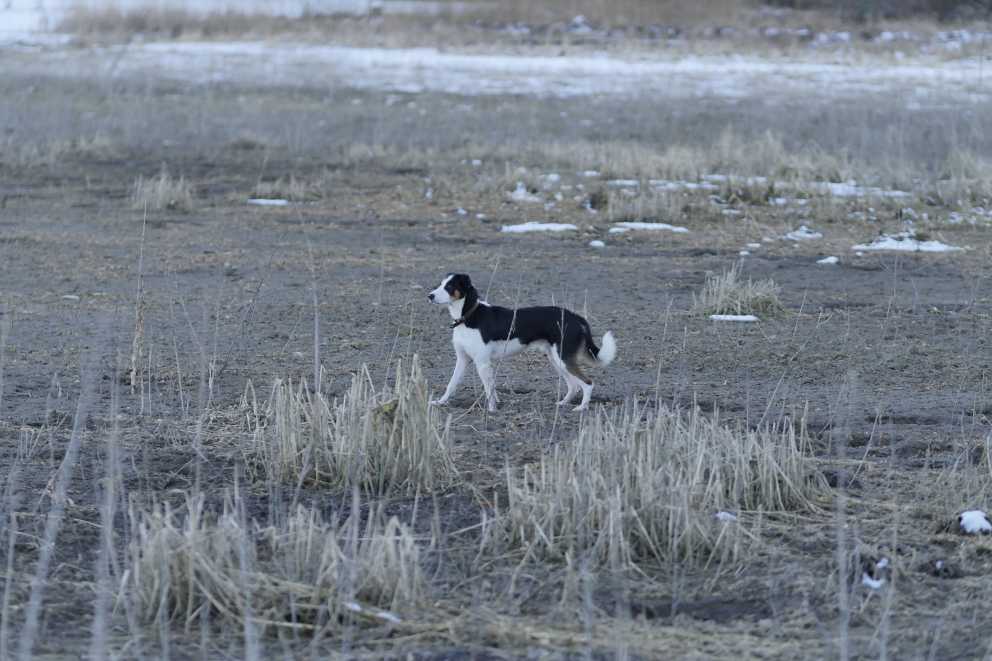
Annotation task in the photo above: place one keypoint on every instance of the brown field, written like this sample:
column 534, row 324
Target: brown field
column 215, row 432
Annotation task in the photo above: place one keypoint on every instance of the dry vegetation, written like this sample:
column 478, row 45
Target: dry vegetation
column 645, row 487
column 729, row 293
column 343, row 515
column 384, row 442
column 305, row 574
column 163, row 192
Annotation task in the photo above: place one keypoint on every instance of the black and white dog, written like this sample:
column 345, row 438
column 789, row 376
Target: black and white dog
column 483, row 333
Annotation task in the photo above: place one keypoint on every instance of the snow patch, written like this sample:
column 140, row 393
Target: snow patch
column 803, row 234
column 734, row 317
column 828, row 260
column 596, row 243
column 905, row 242
column 521, row 194
column 534, row 226
column 974, row 522
column 267, row 202
column 648, row 226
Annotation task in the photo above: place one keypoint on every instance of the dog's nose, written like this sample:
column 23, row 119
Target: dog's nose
column 430, row 296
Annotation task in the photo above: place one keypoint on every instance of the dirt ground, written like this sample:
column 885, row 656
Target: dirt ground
column 889, row 354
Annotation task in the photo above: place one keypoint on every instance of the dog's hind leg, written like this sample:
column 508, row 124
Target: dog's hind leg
column 584, row 382
column 562, row 371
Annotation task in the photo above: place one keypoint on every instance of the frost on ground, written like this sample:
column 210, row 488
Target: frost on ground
column 906, row 242
column 534, row 226
column 620, row 228
column 802, row 234
column 733, row 317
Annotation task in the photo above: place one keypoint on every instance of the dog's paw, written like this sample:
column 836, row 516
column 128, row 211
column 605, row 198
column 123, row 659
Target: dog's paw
column 439, row 402
column 580, row 407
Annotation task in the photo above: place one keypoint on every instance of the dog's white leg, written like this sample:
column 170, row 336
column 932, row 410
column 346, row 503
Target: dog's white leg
column 461, row 362
column 485, row 371
column 559, row 367
column 586, row 395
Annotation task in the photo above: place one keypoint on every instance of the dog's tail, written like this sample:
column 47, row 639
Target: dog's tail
column 605, row 354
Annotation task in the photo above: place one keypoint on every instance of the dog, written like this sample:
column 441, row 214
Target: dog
column 483, row 333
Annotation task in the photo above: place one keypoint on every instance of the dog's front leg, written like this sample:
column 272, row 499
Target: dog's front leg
column 461, row 362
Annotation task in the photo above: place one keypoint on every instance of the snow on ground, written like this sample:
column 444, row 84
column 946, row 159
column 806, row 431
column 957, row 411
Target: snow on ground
column 828, row 260
column 906, row 242
column 733, row 317
column 620, row 228
column 596, row 243
column 534, row 226
column 974, row 522
column 430, row 70
column 802, row 234
column 521, row 194
column 852, row 189
column 267, row 202
column 671, row 186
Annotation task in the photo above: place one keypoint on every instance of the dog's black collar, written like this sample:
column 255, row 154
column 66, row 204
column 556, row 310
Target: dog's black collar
column 461, row 320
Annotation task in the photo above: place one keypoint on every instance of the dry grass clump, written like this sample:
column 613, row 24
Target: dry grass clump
column 17, row 154
column 383, row 442
column 964, row 178
column 306, row 573
column 165, row 21
column 643, row 485
column 729, row 154
column 729, row 293
column 620, row 12
column 294, row 188
column 162, row 192
column 644, row 205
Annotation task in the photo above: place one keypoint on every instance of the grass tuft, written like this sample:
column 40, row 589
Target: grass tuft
column 642, row 486
column 305, row 573
column 386, row 442
column 729, row 293
column 162, row 192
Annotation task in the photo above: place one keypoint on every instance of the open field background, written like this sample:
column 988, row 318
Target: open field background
column 213, row 413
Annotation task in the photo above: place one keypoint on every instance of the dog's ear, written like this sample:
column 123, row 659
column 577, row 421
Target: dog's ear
column 462, row 284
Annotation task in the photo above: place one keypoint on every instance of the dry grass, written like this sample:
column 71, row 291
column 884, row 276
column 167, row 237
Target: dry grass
column 305, row 573
column 383, row 442
column 729, row 293
column 18, row 154
column 644, row 205
column 622, row 12
column 965, row 178
column 175, row 22
column 162, row 192
column 170, row 22
column 295, row 189
column 642, row 486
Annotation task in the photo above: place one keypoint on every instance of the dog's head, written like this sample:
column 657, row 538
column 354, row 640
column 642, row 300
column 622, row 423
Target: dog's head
column 454, row 287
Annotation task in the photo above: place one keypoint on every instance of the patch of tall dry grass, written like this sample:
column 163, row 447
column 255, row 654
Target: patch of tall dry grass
column 385, row 441
column 162, row 192
column 730, row 293
column 643, row 486
column 305, row 573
